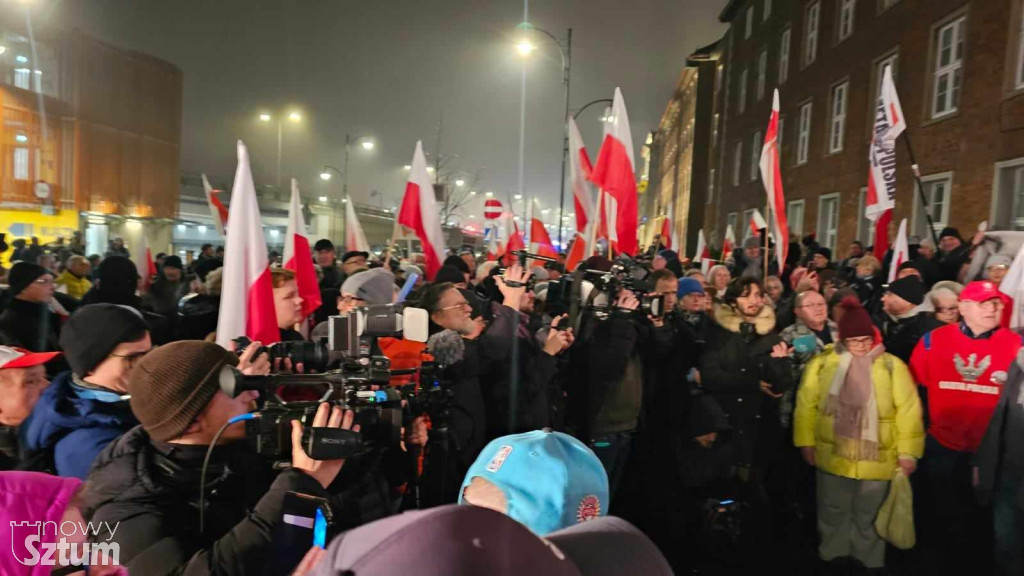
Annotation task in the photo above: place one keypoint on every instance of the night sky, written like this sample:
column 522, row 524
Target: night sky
column 392, row 69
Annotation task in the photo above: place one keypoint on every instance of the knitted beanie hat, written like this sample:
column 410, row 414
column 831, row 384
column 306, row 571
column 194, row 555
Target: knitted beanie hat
column 173, row 384
column 855, row 321
column 23, row 274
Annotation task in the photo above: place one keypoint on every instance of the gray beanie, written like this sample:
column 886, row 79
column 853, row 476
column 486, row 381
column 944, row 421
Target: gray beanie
column 375, row 286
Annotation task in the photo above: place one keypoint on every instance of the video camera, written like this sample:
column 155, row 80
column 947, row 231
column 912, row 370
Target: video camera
column 360, row 383
column 522, row 256
column 596, row 292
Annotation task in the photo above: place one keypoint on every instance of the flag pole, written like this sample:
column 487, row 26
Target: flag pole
column 920, row 187
column 767, row 227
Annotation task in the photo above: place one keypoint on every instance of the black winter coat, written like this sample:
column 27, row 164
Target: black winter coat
column 900, row 336
column 735, row 360
column 1000, row 457
column 149, row 491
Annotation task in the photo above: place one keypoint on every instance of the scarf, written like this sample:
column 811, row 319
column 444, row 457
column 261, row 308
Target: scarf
column 852, row 404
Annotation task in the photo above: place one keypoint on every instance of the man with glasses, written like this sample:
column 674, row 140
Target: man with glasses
column 963, row 368
column 808, row 336
column 28, row 320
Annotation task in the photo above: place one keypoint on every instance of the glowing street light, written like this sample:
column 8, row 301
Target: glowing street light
column 367, row 145
column 460, row 182
column 295, row 117
column 525, row 47
column 323, row 199
column 518, row 196
column 325, row 176
column 265, row 117
column 407, row 167
column 489, row 194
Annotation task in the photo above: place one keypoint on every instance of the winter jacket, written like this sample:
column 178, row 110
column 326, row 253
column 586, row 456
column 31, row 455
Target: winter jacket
column 75, row 424
column 613, row 376
column 30, row 325
column 75, row 287
column 149, row 491
column 869, row 291
column 1001, row 454
column 900, row 423
column 164, row 296
column 197, row 316
column 951, row 262
column 901, row 335
column 736, row 359
column 806, row 344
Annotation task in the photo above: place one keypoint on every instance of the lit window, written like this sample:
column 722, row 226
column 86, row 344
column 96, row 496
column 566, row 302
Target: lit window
column 949, row 52
column 828, row 220
column 21, row 163
column 837, row 124
column 795, row 217
column 803, row 138
column 811, row 32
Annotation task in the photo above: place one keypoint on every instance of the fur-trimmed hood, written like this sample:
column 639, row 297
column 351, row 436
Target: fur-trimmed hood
column 729, row 318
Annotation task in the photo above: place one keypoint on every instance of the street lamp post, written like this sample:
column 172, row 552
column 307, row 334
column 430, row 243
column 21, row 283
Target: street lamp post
column 525, row 48
column 367, row 143
column 292, row 116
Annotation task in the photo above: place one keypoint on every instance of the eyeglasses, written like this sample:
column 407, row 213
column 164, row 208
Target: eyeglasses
column 44, row 280
column 861, row 341
column 132, row 358
column 462, row 304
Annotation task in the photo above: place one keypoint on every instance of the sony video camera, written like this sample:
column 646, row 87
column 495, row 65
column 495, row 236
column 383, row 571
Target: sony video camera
column 596, row 292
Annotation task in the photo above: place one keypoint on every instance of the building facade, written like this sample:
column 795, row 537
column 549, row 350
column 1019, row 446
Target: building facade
column 89, row 140
column 958, row 67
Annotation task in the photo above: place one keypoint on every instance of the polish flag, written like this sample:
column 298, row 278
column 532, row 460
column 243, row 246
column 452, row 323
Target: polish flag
column 771, row 176
column 355, row 239
column 703, row 253
column 757, row 223
column 515, row 240
column 729, row 244
column 419, row 212
column 298, row 257
column 247, row 294
column 580, row 170
column 217, row 209
column 666, row 229
column 615, row 174
column 540, row 241
column 900, row 251
column 577, row 252
column 144, row 265
column 881, row 194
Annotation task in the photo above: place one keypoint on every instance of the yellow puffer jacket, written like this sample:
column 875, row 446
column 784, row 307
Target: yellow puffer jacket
column 76, row 287
column 900, row 427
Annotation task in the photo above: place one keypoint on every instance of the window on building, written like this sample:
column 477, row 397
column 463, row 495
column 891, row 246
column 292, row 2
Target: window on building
column 795, row 217
column 803, row 138
column 865, row 225
column 755, row 154
column 937, row 191
column 767, row 11
column 730, row 220
column 949, row 52
column 737, row 162
column 742, row 104
column 714, row 129
column 811, row 17
column 828, row 220
column 21, row 163
column 891, row 61
column 1019, row 82
column 711, row 185
column 22, row 78
column 1008, row 195
column 784, row 56
column 837, row 124
column 750, row 22
column 847, row 8
column 748, row 215
column 762, row 71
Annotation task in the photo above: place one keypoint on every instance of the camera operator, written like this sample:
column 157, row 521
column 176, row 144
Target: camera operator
column 466, row 349
column 144, row 486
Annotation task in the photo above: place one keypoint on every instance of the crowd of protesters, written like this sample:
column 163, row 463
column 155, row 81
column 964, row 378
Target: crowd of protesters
column 758, row 422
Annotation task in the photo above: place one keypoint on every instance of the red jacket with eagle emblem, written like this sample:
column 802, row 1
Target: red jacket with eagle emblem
column 963, row 376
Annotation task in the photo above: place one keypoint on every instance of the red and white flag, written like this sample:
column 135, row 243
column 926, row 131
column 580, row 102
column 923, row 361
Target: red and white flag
column 881, row 194
column 143, row 259
column 217, row 210
column 419, row 212
column 606, row 221
column 757, row 223
column 577, row 252
column 355, row 238
column 515, row 240
column 1013, row 287
column 771, row 176
column 580, row 170
column 703, row 253
column 298, row 257
column 900, row 251
column 729, row 244
column 615, row 174
column 666, row 228
column 540, row 241
column 247, row 293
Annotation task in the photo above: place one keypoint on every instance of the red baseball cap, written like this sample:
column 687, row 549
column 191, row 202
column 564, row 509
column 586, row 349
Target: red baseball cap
column 979, row 291
column 21, row 358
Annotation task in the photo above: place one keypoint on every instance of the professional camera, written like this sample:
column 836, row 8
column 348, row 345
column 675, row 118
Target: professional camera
column 522, row 256
column 360, row 384
column 596, row 292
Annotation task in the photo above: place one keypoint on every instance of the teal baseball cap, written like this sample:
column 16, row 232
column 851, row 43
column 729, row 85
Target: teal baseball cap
column 550, row 480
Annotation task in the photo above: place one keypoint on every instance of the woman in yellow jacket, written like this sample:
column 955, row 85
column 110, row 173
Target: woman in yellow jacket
column 858, row 418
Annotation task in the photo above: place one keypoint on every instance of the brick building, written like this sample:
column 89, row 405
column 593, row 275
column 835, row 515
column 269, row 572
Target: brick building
column 959, row 70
